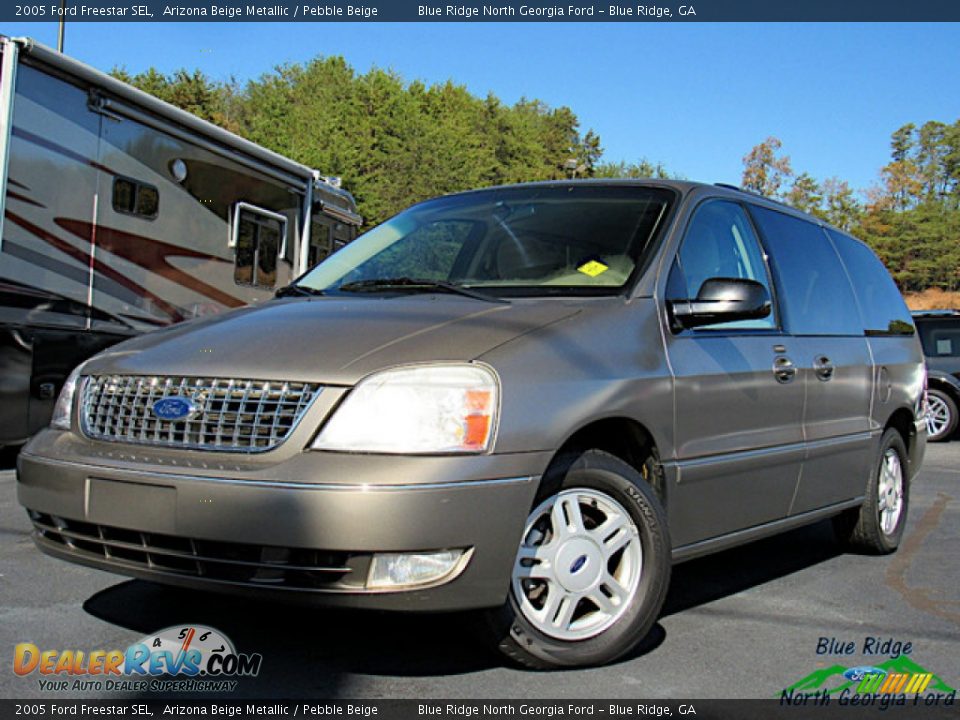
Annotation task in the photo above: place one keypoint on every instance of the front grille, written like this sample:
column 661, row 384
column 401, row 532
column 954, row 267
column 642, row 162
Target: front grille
column 230, row 414
column 241, row 563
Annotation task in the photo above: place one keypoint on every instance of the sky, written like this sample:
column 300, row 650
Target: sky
column 695, row 97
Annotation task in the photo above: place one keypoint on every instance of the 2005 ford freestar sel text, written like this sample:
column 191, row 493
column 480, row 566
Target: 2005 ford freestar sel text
column 528, row 400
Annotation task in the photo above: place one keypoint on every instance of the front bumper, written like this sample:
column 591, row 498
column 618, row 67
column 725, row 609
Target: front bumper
column 237, row 529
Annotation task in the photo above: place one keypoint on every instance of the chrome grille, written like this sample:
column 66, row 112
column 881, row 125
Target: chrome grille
column 232, row 415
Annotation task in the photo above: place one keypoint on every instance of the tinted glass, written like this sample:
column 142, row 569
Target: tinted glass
column 268, row 247
column 719, row 243
column 815, row 293
column 881, row 305
column 124, row 195
column 320, row 244
column 258, row 246
column 148, row 201
column 534, row 240
column 245, row 252
column 133, row 198
column 940, row 338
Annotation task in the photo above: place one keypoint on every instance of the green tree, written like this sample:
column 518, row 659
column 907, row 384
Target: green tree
column 644, row 168
column 805, row 194
column 840, row 205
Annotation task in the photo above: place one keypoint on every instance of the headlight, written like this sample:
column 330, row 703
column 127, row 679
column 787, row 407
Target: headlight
column 424, row 409
column 63, row 410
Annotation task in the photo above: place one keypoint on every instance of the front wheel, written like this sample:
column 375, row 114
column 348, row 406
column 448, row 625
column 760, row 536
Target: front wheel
column 592, row 569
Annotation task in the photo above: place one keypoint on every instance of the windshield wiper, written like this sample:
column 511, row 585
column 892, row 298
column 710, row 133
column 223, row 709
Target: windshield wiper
column 294, row 289
column 409, row 282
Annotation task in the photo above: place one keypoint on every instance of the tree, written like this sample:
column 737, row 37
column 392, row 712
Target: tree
column 216, row 102
column 805, row 194
column 642, row 169
column 840, row 206
column 765, row 170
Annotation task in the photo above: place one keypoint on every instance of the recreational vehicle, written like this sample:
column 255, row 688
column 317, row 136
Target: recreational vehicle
column 120, row 213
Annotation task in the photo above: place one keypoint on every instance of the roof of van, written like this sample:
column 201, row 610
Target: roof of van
column 682, row 186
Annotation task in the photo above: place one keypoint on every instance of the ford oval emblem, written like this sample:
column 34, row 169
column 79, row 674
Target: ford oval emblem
column 174, row 408
column 578, row 564
column 856, row 674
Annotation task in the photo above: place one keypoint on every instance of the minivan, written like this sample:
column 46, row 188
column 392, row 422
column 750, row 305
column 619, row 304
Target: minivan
column 529, row 401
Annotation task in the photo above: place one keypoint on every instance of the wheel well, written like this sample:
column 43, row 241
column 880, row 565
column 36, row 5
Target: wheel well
column 944, row 387
column 902, row 422
column 623, row 438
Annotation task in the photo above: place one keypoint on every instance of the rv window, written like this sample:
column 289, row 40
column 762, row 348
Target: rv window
column 148, row 201
column 320, row 245
column 133, row 198
column 259, row 238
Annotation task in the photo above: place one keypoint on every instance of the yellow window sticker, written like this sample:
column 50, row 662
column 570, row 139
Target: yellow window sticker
column 593, row 268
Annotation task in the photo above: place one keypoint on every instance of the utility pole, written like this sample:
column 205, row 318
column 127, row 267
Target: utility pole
column 63, row 23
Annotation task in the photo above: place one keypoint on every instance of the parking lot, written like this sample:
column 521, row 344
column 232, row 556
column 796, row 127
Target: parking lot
column 745, row 623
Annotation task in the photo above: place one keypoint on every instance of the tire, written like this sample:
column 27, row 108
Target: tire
column 611, row 598
column 876, row 527
column 942, row 415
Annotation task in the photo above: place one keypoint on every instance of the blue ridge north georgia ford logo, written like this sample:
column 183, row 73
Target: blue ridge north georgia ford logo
column 173, row 408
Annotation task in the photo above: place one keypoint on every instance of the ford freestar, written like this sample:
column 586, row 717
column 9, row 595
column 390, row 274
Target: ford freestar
column 530, row 400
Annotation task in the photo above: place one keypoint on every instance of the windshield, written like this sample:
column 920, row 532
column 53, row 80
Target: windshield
column 584, row 239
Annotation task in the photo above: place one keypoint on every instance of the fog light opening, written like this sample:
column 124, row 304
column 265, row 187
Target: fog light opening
column 394, row 571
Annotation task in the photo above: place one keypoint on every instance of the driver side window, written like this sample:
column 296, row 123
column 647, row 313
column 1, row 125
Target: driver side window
column 719, row 243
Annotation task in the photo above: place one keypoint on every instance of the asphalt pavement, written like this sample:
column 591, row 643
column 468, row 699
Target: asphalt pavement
column 744, row 623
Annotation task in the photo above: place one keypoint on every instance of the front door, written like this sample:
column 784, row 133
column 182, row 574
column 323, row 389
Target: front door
column 739, row 399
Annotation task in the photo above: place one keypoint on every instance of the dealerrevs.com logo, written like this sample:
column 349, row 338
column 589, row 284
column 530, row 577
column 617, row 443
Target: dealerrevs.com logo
column 182, row 658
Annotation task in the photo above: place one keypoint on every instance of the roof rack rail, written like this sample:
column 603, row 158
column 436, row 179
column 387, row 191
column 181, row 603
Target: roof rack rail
column 755, row 194
column 730, row 186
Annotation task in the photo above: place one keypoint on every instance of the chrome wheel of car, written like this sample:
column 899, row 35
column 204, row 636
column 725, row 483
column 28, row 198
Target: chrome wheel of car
column 579, row 564
column 938, row 416
column 890, row 491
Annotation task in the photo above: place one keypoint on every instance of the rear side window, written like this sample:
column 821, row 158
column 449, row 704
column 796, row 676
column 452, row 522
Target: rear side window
column 815, row 293
column 882, row 306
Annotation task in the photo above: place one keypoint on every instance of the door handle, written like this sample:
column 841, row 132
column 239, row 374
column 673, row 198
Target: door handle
column 823, row 368
column 783, row 369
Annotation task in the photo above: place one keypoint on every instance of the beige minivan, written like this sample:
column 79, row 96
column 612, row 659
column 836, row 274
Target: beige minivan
column 528, row 400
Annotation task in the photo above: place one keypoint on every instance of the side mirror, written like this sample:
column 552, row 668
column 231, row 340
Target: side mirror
column 722, row 300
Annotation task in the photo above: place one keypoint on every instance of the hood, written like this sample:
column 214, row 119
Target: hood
column 330, row 340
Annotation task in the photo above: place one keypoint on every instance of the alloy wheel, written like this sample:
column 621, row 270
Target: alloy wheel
column 938, row 416
column 890, row 490
column 579, row 564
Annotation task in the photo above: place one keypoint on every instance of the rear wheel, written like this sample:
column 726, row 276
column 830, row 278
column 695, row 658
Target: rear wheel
column 941, row 415
column 877, row 526
column 591, row 571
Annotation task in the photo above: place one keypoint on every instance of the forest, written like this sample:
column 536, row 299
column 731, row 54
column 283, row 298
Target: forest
column 395, row 142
